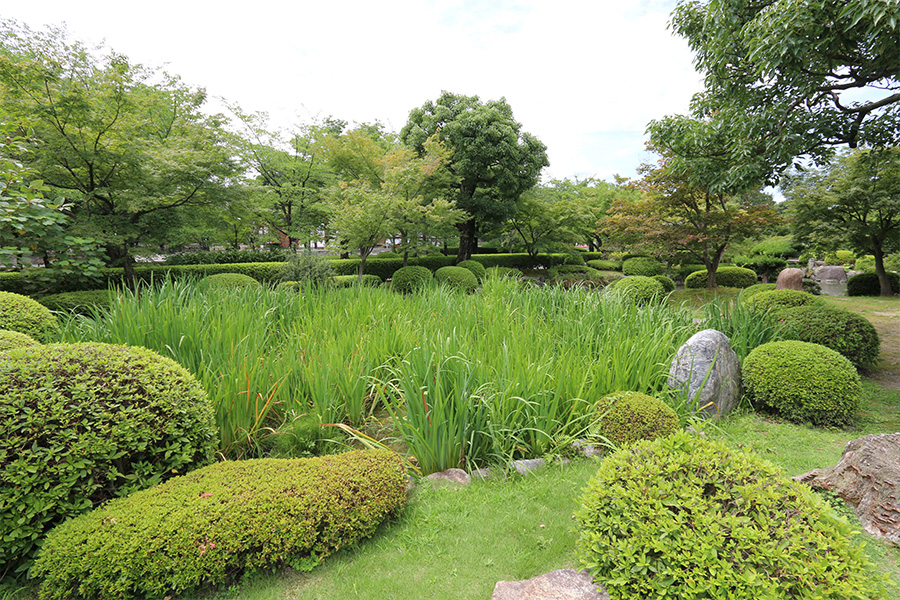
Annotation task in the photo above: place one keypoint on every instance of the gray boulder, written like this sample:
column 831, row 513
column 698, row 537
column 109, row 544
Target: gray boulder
column 709, row 371
column 450, row 476
column 832, row 272
column 790, row 279
column 565, row 584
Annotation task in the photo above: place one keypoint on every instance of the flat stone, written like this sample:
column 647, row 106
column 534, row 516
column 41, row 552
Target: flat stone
column 528, row 464
column 565, row 584
column 455, row 476
column 708, row 370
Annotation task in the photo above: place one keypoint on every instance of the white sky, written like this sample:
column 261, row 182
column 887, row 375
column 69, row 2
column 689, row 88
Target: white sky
column 584, row 76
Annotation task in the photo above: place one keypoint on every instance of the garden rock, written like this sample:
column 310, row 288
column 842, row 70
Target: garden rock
column 867, row 477
column 565, row 584
column 707, row 360
column 832, row 272
column 451, row 476
column 790, row 279
column 527, row 464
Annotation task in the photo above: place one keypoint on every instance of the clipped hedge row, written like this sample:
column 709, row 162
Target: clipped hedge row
column 83, row 302
column 217, row 522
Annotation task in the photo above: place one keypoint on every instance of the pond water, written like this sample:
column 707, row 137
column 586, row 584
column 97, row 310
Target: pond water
column 833, row 287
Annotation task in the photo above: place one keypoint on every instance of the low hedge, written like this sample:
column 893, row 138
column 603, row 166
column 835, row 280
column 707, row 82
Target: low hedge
column 681, row 272
column 344, row 281
column 802, row 382
column 84, row 423
column 847, row 333
column 229, row 280
column 867, row 284
column 736, row 277
column 83, row 302
column 690, row 518
column 21, row 313
column 215, row 523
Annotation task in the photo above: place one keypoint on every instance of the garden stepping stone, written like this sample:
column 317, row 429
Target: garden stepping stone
column 565, row 584
column 868, row 478
column 709, row 371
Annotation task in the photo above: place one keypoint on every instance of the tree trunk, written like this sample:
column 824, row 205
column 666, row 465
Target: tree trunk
column 883, row 280
column 466, row 240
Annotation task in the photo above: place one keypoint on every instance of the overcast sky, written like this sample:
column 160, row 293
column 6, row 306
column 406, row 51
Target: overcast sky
column 584, row 76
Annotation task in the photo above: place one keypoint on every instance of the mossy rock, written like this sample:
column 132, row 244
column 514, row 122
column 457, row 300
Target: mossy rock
column 10, row 340
column 476, row 267
column 22, row 314
column 211, row 525
column 802, row 382
column 690, row 518
column 638, row 289
column 406, row 280
column 780, row 299
column 628, row 417
column 458, row 278
column 736, row 277
column 228, row 280
column 847, row 333
column 86, row 423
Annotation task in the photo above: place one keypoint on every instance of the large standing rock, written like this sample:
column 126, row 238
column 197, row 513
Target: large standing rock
column 707, row 360
column 790, row 279
column 832, row 272
column 565, row 584
column 868, row 478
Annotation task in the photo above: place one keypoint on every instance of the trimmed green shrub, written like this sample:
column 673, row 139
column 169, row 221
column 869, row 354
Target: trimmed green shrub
column 84, row 423
column 502, row 272
column 867, row 284
column 605, row 265
column 476, row 267
column 217, row 522
column 566, row 270
column 458, row 278
column 229, row 280
column 681, row 272
column 865, row 263
column 642, row 265
column 845, row 332
column 226, row 257
column 802, row 382
column 749, row 292
column 638, row 289
column 409, row 279
column 736, row 277
column 301, row 437
column 10, row 340
column 344, row 281
column 689, row 518
column 83, row 302
column 629, row 417
column 573, row 259
column 779, row 299
column 22, row 314
column 667, row 283
column 308, row 268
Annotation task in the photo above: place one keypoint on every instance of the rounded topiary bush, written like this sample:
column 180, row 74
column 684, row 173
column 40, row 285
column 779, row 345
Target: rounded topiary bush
column 780, row 299
column 736, row 277
column 409, row 279
column 667, row 283
column 802, row 382
column 458, row 278
column 22, row 314
column 867, row 284
column 628, row 417
column 757, row 288
column 689, row 518
column 228, row 280
column 81, row 302
column 642, row 265
column 10, row 340
column 84, row 423
column 476, row 267
column 212, row 524
column 847, row 333
column 638, row 288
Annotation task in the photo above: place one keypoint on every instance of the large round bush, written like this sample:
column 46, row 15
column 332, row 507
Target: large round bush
column 757, row 288
column 458, row 278
column 781, row 299
column 689, row 518
column 802, row 382
column 867, row 284
column 409, row 279
column 13, row 339
column 476, row 267
column 638, row 288
column 228, row 280
column 628, row 417
column 212, row 524
column 642, row 265
column 667, row 283
column 736, row 277
column 84, row 423
column 22, row 314
column 847, row 333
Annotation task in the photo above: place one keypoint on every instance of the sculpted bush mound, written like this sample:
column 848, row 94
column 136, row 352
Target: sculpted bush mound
column 22, row 314
column 629, row 417
column 845, row 332
column 84, row 423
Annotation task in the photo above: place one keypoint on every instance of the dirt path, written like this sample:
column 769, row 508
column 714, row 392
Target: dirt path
column 884, row 314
